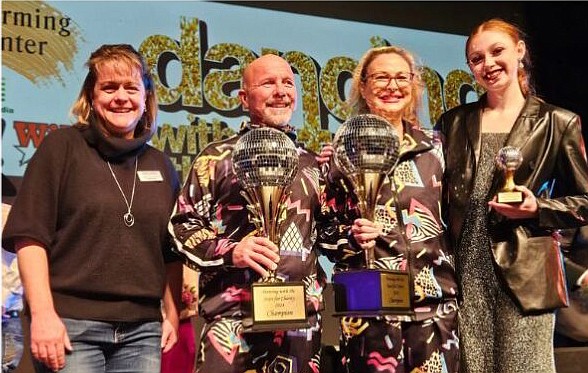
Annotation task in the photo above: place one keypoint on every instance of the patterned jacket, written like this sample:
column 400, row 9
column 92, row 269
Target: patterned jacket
column 424, row 245
column 211, row 217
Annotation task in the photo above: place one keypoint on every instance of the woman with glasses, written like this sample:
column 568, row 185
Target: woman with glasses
column 387, row 83
column 496, row 333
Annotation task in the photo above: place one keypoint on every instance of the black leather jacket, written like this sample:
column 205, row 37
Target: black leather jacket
column 554, row 165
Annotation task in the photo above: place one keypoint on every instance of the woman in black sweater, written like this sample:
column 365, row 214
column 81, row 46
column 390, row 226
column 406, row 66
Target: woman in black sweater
column 89, row 226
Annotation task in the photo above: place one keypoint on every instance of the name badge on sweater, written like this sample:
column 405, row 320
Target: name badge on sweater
column 146, row 176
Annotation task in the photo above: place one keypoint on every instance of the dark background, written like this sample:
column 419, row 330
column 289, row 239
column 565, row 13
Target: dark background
column 557, row 33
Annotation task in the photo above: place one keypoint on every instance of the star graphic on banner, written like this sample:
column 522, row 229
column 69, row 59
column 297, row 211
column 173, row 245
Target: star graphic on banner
column 27, row 153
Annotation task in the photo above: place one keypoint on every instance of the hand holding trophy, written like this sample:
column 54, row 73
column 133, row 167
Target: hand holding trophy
column 265, row 161
column 366, row 149
column 508, row 160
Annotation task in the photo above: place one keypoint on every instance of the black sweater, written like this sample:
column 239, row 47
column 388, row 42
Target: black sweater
column 99, row 268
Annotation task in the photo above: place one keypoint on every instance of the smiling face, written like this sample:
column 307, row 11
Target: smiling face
column 269, row 91
column 493, row 57
column 387, row 87
column 119, row 98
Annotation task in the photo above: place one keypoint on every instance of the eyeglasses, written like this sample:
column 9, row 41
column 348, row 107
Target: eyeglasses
column 383, row 80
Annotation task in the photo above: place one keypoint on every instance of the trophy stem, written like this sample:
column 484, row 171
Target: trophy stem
column 269, row 201
column 509, row 185
column 270, row 204
column 368, row 187
column 370, row 257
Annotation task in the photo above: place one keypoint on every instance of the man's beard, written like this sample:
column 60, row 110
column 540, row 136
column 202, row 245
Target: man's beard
column 278, row 119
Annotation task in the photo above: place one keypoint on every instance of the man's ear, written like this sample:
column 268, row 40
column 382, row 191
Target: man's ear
column 243, row 98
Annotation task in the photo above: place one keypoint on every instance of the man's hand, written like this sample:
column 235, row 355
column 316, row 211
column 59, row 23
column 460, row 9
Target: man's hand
column 258, row 253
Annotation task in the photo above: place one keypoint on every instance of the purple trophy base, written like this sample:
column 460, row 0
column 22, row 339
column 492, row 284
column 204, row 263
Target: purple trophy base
column 372, row 292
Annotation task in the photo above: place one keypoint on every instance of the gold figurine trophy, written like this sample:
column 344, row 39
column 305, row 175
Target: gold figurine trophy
column 265, row 161
column 508, row 160
column 366, row 149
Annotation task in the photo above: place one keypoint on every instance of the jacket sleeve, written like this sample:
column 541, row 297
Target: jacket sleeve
column 190, row 223
column 569, row 207
column 336, row 218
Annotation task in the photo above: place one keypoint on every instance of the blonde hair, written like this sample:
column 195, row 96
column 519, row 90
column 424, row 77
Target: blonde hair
column 516, row 34
column 357, row 103
column 125, row 55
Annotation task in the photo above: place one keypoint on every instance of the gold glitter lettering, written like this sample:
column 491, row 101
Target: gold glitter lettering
column 218, row 84
column 433, row 83
column 333, row 76
column 310, row 133
column 158, row 50
column 457, row 84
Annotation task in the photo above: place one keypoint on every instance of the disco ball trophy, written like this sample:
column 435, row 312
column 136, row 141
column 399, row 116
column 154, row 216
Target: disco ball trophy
column 265, row 161
column 366, row 149
column 508, row 160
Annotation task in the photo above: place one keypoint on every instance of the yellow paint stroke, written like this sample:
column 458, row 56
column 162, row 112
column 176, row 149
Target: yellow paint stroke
column 57, row 53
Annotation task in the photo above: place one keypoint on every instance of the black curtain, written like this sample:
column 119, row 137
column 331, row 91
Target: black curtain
column 558, row 41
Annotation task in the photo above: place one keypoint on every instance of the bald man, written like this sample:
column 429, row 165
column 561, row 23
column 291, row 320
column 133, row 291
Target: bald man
column 212, row 229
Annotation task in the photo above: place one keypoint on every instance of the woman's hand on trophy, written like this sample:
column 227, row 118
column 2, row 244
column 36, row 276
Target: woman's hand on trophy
column 524, row 210
column 365, row 232
column 327, row 152
column 258, row 253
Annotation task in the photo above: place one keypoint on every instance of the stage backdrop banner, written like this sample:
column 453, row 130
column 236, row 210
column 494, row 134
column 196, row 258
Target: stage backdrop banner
column 196, row 52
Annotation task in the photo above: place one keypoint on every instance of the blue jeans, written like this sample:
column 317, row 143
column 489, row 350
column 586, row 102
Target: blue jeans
column 12, row 343
column 103, row 347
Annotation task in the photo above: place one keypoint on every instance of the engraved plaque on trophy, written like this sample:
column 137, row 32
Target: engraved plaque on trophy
column 366, row 150
column 508, row 160
column 265, row 161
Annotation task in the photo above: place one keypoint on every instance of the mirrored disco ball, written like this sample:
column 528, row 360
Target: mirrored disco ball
column 509, row 158
column 265, row 157
column 366, row 143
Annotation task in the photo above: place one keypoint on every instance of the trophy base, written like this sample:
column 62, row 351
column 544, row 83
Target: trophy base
column 278, row 306
column 372, row 292
column 510, row 197
column 250, row 327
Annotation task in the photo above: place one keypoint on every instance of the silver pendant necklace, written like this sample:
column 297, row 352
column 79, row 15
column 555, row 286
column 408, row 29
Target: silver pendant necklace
column 128, row 217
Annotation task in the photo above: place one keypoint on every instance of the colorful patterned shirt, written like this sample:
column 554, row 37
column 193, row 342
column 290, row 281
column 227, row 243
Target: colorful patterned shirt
column 419, row 243
column 211, row 217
